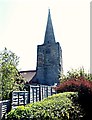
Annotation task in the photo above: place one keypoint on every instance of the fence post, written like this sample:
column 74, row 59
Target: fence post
column 10, row 101
column 18, row 98
column 24, row 98
column 29, row 94
column 39, row 92
column 51, row 91
column 47, row 91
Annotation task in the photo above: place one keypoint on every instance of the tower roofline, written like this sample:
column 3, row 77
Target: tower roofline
column 49, row 33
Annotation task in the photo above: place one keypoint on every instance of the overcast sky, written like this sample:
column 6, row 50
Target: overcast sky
column 23, row 24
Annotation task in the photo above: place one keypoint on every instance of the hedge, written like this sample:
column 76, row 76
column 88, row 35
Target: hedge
column 84, row 89
column 62, row 106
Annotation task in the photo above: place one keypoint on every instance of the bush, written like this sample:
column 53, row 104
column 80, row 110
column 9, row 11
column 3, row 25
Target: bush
column 62, row 106
column 75, row 85
column 84, row 89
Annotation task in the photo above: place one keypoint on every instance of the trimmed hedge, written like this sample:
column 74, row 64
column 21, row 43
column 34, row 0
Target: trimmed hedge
column 62, row 106
column 84, row 89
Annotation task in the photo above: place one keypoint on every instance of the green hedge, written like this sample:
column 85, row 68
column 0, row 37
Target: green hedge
column 62, row 106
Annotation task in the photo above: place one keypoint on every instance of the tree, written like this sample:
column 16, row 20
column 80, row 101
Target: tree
column 75, row 74
column 11, row 80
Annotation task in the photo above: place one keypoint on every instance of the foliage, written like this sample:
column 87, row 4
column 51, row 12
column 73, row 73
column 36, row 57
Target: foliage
column 10, row 77
column 75, row 73
column 61, row 106
column 84, row 89
column 75, row 85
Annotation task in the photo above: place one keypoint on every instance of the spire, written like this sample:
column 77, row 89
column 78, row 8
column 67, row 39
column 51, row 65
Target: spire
column 49, row 34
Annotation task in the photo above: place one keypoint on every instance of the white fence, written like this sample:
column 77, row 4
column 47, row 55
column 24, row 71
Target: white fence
column 35, row 93
column 5, row 107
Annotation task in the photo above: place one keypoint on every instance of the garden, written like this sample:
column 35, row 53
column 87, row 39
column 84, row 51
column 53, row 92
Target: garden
column 73, row 101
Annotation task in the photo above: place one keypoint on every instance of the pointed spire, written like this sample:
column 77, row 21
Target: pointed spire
column 49, row 34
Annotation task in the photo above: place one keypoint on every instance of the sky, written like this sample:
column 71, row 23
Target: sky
column 23, row 25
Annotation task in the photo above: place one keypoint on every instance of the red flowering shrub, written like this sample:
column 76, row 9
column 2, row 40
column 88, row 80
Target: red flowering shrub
column 84, row 89
column 75, row 85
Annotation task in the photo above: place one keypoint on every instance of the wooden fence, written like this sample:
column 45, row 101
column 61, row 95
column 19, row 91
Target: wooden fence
column 5, row 107
column 19, row 98
column 36, row 93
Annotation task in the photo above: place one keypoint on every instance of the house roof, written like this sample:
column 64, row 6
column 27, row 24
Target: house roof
column 28, row 74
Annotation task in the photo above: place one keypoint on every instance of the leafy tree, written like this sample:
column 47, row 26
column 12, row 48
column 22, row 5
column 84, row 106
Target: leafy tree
column 75, row 74
column 11, row 80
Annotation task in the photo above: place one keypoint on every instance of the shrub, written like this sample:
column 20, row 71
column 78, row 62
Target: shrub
column 62, row 106
column 84, row 89
column 75, row 85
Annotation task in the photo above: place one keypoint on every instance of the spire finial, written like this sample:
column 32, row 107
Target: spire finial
column 49, row 10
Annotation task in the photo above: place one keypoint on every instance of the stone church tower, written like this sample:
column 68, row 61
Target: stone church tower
column 49, row 58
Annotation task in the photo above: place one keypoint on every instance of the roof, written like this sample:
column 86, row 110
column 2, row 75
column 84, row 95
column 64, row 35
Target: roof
column 28, row 74
column 49, row 33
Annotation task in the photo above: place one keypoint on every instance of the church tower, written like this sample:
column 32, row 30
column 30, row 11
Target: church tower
column 49, row 58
